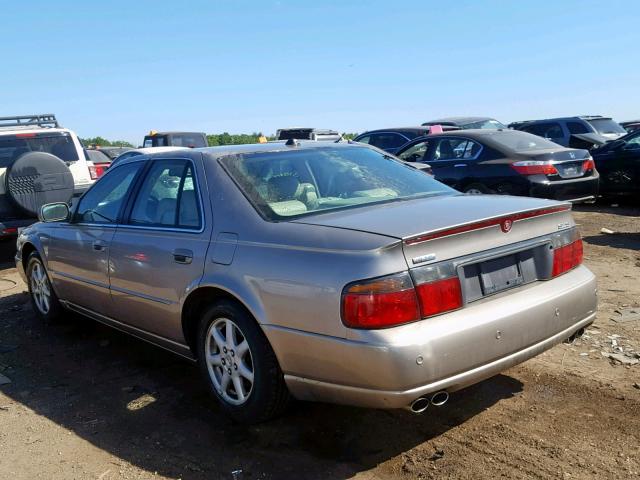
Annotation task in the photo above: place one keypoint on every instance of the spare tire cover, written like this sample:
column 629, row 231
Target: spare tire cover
column 38, row 178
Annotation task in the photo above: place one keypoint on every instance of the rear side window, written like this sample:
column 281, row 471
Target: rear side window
column 59, row 144
column 365, row 139
column 456, row 148
column 103, row 201
column 386, row 141
column 577, row 128
column 168, row 197
column 551, row 131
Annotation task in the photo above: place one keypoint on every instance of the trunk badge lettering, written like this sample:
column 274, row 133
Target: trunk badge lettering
column 424, row 258
column 506, row 225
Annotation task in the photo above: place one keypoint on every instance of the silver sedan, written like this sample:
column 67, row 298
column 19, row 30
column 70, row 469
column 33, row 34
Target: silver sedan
column 329, row 272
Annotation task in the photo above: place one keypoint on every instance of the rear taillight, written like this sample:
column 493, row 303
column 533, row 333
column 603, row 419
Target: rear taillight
column 393, row 300
column 588, row 165
column 96, row 171
column 379, row 303
column 438, row 289
column 567, row 252
column 533, row 167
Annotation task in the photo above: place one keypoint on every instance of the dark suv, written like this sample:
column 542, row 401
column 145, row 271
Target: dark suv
column 574, row 132
column 391, row 139
column 175, row 139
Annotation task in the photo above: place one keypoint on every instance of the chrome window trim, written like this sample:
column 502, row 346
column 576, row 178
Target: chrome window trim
column 158, row 228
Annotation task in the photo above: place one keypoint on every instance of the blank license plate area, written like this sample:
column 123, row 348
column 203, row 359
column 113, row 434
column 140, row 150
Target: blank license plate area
column 500, row 274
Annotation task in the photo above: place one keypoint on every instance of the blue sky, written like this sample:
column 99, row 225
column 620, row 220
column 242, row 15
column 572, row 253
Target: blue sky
column 118, row 69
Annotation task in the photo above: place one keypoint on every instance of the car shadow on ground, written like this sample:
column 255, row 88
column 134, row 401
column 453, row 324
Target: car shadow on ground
column 148, row 407
column 629, row 241
column 7, row 252
column 628, row 209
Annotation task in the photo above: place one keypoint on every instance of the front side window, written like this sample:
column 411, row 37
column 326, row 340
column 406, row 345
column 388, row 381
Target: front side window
column 415, row 153
column 633, row 143
column 168, row 197
column 103, row 201
column 365, row 139
column 315, row 180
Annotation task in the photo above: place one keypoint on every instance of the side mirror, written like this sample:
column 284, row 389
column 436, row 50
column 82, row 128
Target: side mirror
column 54, row 212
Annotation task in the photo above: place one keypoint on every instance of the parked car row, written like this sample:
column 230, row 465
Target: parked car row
column 572, row 158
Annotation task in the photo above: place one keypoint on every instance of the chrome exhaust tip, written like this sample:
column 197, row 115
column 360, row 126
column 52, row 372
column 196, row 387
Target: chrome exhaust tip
column 419, row 405
column 439, row 398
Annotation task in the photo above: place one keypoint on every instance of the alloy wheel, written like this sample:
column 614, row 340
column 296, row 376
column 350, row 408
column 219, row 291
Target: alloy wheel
column 40, row 288
column 229, row 361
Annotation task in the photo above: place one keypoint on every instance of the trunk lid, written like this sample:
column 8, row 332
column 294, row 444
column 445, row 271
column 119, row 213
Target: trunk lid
column 570, row 163
column 406, row 220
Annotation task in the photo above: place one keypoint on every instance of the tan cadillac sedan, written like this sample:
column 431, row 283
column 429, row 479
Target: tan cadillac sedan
column 315, row 271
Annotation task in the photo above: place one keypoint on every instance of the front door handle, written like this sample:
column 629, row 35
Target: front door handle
column 460, row 165
column 182, row 255
column 99, row 246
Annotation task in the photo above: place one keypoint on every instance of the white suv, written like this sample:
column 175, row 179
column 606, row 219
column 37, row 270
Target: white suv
column 39, row 162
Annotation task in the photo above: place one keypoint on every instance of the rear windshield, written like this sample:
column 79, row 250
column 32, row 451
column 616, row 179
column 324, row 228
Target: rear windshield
column 59, row 144
column 522, row 141
column 176, row 140
column 485, row 124
column 303, row 182
column 298, row 134
column 606, row 126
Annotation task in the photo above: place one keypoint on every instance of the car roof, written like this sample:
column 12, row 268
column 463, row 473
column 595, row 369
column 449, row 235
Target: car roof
column 178, row 132
column 397, row 130
column 485, row 135
column 457, row 120
column 226, row 150
column 32, row 129
column 563, row 119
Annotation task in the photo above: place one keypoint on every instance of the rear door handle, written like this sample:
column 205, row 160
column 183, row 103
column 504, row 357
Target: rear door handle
column 99, row 246
column 182, row 255
column 460, row 165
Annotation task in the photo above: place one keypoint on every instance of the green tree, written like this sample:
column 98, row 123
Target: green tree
column 103, row 142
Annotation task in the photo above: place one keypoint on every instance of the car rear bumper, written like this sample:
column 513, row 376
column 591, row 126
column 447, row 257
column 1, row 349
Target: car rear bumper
column 391, row 368
column 575, row 190
column 9, row 228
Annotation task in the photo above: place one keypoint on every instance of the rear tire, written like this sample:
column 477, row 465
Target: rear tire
column 477, row 189
column 43, row 299
column 239, row 366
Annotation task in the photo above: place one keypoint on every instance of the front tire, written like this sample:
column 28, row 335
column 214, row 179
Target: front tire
column 239, row 365
column 43, row 299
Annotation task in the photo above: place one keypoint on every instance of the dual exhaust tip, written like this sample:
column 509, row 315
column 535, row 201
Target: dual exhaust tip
column 420, row 404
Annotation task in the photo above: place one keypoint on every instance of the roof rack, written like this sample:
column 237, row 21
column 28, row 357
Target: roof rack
column 43, row 120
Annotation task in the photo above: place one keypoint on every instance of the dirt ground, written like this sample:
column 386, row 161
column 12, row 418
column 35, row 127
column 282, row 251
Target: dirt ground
column 86, row 402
